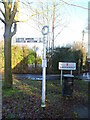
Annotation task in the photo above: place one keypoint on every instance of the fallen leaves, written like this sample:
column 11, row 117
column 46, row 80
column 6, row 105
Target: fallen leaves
column 25, row 101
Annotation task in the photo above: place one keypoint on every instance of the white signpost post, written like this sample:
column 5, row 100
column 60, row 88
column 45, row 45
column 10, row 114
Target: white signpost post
column 45, row 31
column 66, row 66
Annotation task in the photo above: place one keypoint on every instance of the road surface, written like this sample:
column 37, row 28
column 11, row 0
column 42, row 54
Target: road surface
column 85, row 77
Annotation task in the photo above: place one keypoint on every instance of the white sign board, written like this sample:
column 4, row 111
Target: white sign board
column 67, row 66
column 44, row 63
column 28, row 40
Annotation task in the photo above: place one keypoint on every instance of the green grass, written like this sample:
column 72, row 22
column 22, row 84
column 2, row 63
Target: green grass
column 10, row 92
column 81, row 83
column 52, row 87
column 81, row 88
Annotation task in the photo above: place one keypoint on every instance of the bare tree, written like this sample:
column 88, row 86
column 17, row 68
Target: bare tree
column 8, row 19
column 49, row 13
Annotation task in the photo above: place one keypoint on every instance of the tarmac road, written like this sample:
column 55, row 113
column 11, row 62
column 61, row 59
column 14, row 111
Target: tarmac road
column 36, row 76
column 48, row 77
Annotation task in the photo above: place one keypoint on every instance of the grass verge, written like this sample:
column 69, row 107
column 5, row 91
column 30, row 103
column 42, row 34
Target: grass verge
column 24, row 100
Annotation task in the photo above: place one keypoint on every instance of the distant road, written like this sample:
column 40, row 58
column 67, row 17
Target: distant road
column 36, row 76
column 85, row 76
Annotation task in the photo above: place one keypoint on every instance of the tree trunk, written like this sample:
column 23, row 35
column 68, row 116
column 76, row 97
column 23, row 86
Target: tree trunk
column 35, row 60
column 53, row 24
column 7, row 57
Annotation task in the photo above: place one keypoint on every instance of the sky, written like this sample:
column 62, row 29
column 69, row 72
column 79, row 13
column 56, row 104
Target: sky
column 76, row 21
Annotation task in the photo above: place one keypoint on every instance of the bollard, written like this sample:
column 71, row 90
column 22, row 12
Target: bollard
column 67, row 88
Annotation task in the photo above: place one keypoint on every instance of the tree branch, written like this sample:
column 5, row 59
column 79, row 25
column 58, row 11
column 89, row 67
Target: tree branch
column 13, row 13
column 74, row 5
column 59, row 32
column 1, row 2
column 2, row 13
column 10, row 6
column 2, row 20
column 5, row 4
column 14, row 31
column 6, row 10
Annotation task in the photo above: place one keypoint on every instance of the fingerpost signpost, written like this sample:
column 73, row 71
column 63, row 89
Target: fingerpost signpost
column 45, row 31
